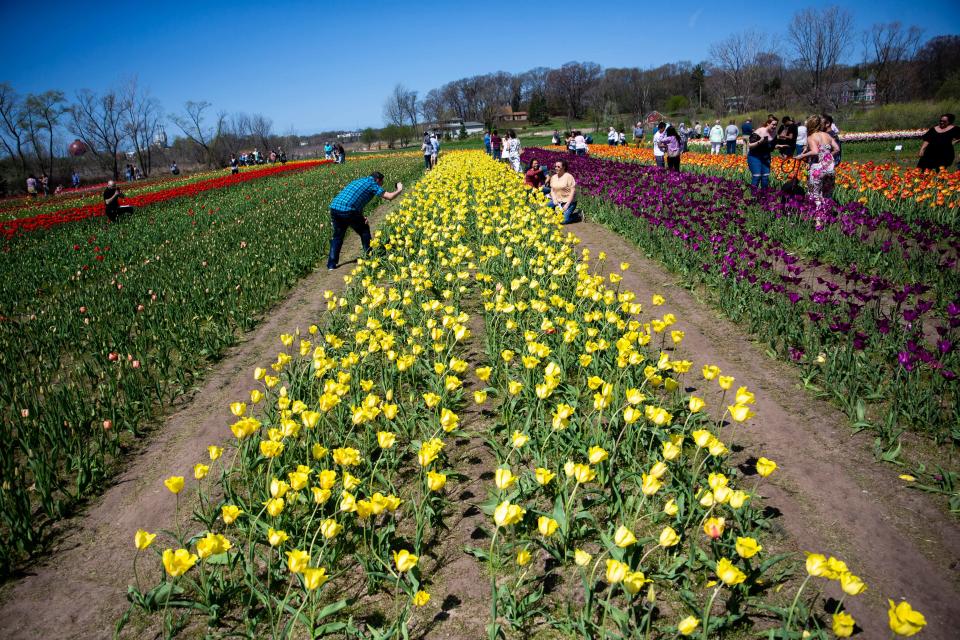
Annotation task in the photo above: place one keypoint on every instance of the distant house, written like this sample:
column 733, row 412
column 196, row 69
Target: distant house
column 507, row 114
column 857, row 91
column 453, row 127
column 735, row 104
column 654, row 117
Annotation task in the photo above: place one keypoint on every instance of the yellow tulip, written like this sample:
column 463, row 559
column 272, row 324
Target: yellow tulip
column 696, row 404
column 616, row 571
column 519, row 439
column 318, row 451
column 514, row 387
column 330, row 528
column 543, row 476
column 314, row 578
column 238, row 409
column 274, row 506
column 270, row 448
column 702, row 437
column 851, row 584
column 765, row 467
column 200, row 471
column 670, row 450
column 256, row 396
column 668, row 537
column 230, row 513
column 386, row 439
column 483, row 373
column 649, row 484
column 276, row 537
column 725, row 382
column 174, row 484
column 597, row 455
column 581, row 557
column 843, row 624
column 404, row 560
column 143, row 539
column 582, row 473
column 436, row 481
column 688, row 625
column 623, row 537
column 504, row 478
column 728, row 573
column 507, row 514
column 297, row 560
column 904, row 619
column 634, row 581
column 657, row 300
column 420, row 598
column 215, row 452
column 671, row 508
column 747, row 547
column 710, row 371
column 740, row 412
column 178, row 562
column 816, row 564
column 523, row 557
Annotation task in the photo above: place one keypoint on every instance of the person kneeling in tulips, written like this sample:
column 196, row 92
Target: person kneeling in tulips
column 563, row 192
column 346, row 211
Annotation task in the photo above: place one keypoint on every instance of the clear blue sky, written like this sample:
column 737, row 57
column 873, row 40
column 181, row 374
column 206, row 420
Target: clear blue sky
column 320, row 65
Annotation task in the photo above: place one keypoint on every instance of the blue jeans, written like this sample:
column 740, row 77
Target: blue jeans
column 759, row 170
column 581, row 152
column 496, row 154
column 341, row 221
column 799, row 150
column 568, row 214
column 731, row 147
column 659, row 161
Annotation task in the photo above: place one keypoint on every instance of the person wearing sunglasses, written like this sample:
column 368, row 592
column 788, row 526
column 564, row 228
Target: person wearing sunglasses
column 563, row 192
column 936, row 152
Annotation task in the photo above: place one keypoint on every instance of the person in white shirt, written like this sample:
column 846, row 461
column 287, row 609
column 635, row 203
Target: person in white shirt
column 732, row 132
column 579, row 143
column 716, row 138
column 612, row 137
column 622, row 139
column 513, row 150
column 801, row 138
column 657, row 151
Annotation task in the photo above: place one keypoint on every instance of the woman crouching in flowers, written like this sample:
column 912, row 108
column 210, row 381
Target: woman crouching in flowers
column 820, row 151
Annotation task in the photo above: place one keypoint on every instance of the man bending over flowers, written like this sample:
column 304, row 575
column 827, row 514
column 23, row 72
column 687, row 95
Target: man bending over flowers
column 346, row 211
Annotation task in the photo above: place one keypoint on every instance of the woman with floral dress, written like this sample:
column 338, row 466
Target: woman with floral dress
column 821, row 148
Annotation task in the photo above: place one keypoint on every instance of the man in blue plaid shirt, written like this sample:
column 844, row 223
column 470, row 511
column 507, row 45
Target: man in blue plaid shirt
column 346, row 211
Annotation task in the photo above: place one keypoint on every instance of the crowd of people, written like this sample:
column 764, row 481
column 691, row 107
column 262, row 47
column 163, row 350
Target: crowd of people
column 335, row 152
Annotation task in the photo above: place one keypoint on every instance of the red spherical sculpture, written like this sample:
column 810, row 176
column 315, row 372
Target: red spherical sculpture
column 78, row 148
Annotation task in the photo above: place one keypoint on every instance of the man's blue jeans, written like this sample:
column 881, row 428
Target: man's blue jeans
column 731, row 147
column 659, row 161
column 341, row 221
column 496, row 154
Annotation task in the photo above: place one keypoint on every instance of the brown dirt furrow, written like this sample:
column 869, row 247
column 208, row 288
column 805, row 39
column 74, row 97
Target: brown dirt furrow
column 80, row 586
column 833, row 497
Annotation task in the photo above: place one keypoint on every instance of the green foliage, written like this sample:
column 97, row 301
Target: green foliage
column 676, row 103
column 537, row 111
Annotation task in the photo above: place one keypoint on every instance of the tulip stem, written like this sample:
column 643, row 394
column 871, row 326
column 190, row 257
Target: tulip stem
column 707, row 610
column 793, row 605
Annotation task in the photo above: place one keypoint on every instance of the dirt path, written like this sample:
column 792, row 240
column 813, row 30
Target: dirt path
column 833, row 496
column 81, row 586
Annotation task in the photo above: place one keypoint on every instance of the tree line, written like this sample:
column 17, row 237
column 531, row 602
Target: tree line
column 120, row 126
column 745, row 71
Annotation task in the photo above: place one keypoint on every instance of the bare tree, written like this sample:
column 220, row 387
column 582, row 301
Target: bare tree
column 98, row 121
column 394, row 111
column 43, row 113
column 192, row 122
column 571, row 83
column 736, row 66
column 432, row 107
column 12, row 131
column 141, row 122
column 261, row 128
column 821, row 39
column 888, row 48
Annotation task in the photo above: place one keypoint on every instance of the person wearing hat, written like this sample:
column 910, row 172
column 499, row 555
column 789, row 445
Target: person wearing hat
column 346, row 212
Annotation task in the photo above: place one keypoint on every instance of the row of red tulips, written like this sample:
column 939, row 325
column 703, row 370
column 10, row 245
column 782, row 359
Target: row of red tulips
column 10, row 228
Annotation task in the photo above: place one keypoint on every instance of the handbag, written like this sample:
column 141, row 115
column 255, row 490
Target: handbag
column 792, row 187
